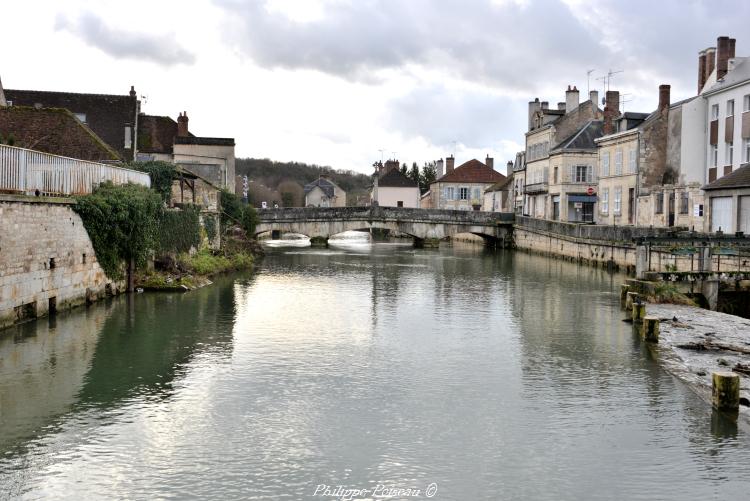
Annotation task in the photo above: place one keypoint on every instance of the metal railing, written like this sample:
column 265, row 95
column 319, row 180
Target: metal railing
column 32, row 172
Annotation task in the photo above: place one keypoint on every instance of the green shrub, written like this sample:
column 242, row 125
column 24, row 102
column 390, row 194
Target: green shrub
column 205, row 262
column 122, row 222
column 249, row 220
column 231, row 208
column 162, row 175
column 209, row 224
column 179, row 230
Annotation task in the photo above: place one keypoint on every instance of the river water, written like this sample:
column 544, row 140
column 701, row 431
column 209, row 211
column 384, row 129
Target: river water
column 454, row 372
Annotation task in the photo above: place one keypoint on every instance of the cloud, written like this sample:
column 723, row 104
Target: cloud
column 504, row 44
column 473, row 118
column 160, row 49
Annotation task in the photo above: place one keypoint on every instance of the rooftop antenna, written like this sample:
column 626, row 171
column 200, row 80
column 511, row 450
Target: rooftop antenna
column 624, row 100
column 588, row 81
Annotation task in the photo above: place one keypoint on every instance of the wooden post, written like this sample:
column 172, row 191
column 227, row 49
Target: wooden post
column 623, row 295
column 631, row 297
column 651, row 329
column 639, row 312
column 725, row 391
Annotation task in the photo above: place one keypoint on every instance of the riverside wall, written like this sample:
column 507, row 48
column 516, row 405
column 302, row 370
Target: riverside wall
column 47, row 261
column 596, row 245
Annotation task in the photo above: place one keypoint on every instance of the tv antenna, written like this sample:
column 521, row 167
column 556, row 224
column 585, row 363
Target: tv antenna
column 588, row 81
column 607, row 79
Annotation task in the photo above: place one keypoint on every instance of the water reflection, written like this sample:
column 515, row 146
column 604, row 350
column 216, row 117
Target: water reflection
column 497, row 375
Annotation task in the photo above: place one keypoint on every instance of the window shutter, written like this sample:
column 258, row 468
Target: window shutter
column 590, row 173
column 571, row 173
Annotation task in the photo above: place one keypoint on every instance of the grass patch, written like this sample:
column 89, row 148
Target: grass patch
column 667, row 292
column 206, row 263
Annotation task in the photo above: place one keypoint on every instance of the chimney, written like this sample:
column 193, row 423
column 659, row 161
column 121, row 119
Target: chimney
column 490, row 162
column 509, row 168
column 545, row 105
column 561, row 106
column 611, row 111
column 594, row 98
column 182, row 125
column 722, row 57
column 439, row 169
column 701, row 70
column 132, row 91
column 571, row 99
column 710, row 63
column 3, row 102
column 664, row 97
column 449, row 163
column 534, row 106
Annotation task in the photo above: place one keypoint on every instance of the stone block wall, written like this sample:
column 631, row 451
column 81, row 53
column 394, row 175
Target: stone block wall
column 47, row 260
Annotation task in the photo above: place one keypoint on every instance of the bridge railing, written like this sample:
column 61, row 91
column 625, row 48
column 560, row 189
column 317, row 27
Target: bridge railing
column 32, row 172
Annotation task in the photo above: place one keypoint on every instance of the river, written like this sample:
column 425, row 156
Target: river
column 453, row 372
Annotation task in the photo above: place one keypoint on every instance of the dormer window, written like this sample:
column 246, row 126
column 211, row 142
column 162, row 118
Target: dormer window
column 81, row 117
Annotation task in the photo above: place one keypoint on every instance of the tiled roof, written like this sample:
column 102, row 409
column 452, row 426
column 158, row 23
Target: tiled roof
column 324, row 184
column 736, row 179
column 472, row 171
column 583, row 138
column 156, row 134
column 500, row 185
column 395, row 179
column 53, row 130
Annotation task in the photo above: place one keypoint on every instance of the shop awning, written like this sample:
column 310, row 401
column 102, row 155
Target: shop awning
column 582, row 198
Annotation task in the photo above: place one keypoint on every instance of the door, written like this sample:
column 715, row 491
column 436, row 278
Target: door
column 631, row 205
column 721, row 214
column 588, row 212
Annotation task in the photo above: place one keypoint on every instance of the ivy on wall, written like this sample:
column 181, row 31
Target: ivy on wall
column 122, row 222
column 162, row 174
column 179, row 230
column 209, row 224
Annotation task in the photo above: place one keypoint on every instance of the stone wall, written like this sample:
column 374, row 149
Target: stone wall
column 46, row 259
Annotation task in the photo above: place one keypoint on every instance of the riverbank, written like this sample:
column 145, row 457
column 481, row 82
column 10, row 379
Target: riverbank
column 693, row 343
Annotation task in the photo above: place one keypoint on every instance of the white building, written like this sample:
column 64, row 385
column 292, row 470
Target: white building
column 324, row 193
column 393, row 189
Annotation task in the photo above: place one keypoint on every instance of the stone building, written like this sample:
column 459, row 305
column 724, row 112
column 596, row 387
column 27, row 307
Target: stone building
column 113, row 118
column 632, row 165
column 391, row 188
column 211, row 158
column 189, row 189
column 323, row 192
column 547, row 129
column 463, row 187
column 519, row 183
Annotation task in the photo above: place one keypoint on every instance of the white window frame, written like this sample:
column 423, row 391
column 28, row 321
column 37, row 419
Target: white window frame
column 581, row 169
column 730, row 108
column 746, row 102
column 605, row 201
column 605, row 163
column 729, row 157
column 463, row 193
column 632, row 166
column 449, row 193
column 618, row 162
column 617, row 208
column 715, row 111
column 746, row 149
column 714, row 155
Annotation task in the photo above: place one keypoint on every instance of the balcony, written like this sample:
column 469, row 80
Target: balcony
column 537, row 188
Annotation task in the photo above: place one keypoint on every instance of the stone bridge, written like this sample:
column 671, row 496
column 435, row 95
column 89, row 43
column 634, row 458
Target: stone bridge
column 426, row 226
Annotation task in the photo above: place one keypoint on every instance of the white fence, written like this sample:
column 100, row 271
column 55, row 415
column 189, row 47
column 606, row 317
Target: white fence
column 34, row 173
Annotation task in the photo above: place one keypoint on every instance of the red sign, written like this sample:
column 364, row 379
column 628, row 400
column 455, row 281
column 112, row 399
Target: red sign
column 591, row 190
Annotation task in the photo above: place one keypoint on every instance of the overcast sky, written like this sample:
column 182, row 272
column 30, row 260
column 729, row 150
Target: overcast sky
column 333, row 82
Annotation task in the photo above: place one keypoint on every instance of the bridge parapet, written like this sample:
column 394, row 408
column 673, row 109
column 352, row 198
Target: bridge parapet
column 443, row 216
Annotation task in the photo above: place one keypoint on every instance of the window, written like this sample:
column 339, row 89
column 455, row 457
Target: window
column 81, row 117
column 715, row 112
column 581, row 172
column 450, row 193
column 605, row 163
column 660, row 203
column 714, row 155
column 730, row 108
column 729, row 157
column 605, row 201
column 618, row 200
column 400, row 203
column 554, row 176
column 631, row 162
column 618, row 162
column 128, row 138
column 745, row 103
column 684, row 202
column 746, row 150
column 463, row 193
column 476, row 194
